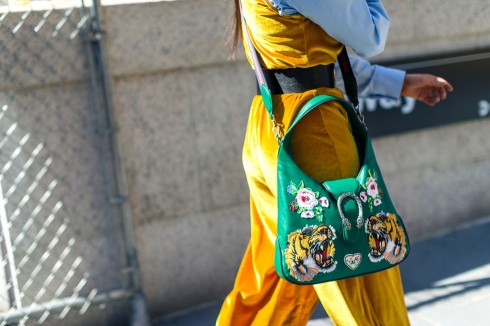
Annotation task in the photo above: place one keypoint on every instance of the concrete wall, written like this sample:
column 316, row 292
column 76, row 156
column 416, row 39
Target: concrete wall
column 436, row 26
column 182, row 108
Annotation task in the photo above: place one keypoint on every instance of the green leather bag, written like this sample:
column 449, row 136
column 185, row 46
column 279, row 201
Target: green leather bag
column 334, row 229
column 337, row 228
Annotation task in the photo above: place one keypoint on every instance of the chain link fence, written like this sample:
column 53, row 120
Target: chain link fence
column 65, row 244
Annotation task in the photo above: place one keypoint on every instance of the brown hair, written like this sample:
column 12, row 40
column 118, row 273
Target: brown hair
column 235, row 29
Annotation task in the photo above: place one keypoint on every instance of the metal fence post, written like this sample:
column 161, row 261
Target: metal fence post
column 101, row 81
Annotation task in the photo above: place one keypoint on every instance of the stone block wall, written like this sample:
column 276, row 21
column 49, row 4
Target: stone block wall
column 420, row 28
column 182, row 108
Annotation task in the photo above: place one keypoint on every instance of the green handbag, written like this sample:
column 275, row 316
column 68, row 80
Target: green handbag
column 338, row 228
column 335, row 229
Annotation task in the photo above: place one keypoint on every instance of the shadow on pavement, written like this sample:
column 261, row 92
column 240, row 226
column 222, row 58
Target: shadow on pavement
column 448, row 265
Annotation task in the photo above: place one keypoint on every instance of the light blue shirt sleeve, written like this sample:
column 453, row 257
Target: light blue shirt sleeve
column 373, row 81
column 360, row 24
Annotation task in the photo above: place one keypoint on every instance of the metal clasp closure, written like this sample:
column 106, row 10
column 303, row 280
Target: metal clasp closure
column 345, row 221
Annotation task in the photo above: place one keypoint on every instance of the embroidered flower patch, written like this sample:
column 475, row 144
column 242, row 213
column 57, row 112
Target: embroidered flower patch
column 372, row 193
column 307, row 203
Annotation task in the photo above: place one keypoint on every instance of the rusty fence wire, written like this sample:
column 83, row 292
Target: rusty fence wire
column 65, row 242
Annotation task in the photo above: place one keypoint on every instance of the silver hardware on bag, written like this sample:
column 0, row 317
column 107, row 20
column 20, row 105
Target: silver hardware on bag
column 360, row 116
column 276, row 129
column 345, row 221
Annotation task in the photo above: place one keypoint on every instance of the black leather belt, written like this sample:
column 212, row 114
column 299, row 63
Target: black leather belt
column 299, row 80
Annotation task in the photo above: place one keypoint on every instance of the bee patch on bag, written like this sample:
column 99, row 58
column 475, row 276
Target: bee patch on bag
column 353, row 260
column 310, row 251
column 386, row 238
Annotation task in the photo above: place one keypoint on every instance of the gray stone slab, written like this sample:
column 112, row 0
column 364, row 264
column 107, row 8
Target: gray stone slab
column 220, row 107
column 420, row 28
column 417, row 48
column 417, row 28
column 158, row 144
column 166, row 35
column 402, row 27
column 436, row 147
column 435, row 199
column 439, row 18
column 193, row 259
column 438, row 177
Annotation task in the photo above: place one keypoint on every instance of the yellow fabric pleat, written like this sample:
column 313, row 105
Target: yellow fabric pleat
column 289, row 40
column 322, row 146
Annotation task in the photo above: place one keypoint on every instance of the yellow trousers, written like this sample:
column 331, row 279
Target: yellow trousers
column 323, row 147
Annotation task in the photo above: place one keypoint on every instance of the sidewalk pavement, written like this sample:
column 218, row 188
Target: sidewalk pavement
column 446, row 280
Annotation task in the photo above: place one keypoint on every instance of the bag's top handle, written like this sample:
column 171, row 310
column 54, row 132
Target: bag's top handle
column 357, row 124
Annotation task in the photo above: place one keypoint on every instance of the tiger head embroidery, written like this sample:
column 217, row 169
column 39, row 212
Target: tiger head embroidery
column 309, row 251
column 386, row 238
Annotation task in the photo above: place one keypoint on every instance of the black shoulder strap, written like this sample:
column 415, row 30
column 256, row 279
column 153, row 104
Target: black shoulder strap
column 350, row 82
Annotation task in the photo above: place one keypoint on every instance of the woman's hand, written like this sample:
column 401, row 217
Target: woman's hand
column 426, row 88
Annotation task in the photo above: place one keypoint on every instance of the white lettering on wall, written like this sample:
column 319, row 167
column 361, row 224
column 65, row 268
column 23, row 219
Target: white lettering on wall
column 483, row 108
column 406, row 104
column 409, row 105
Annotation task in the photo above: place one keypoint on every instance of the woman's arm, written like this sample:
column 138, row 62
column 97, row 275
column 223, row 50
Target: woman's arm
column 360, row 24
column 373, row 81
